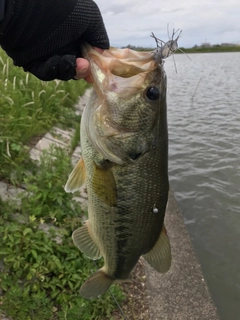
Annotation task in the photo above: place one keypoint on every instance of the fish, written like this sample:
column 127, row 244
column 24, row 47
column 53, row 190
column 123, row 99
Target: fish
column 124, row 165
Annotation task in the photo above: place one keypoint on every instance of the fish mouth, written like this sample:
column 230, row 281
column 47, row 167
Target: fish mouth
column 119, row 110
column 118, row 69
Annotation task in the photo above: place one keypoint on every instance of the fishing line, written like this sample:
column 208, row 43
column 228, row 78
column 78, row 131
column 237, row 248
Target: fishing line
column 119, row 307
column 196, row 90
column 114, row 298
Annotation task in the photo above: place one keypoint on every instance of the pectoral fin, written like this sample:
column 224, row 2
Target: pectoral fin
column 96, row 285
column 104, row 185
column 84, row 241
column 160, row 255
column 76, row 178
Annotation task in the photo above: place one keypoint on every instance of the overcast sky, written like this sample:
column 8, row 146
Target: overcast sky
column 132, row 21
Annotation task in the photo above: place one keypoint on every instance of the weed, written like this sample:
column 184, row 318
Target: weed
column 42, row 270
column 30, row 107
column 76, row 138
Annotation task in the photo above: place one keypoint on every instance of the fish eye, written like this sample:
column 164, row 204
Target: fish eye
column 153, row 93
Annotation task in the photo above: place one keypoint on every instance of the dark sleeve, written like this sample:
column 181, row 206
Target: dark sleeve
column 2, row 9
column 44, row 36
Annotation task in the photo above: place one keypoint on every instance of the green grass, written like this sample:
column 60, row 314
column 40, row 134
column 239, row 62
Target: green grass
column 40, row 278
column 30, row 107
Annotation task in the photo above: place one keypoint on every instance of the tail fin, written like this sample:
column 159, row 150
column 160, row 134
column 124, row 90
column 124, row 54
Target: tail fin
column 96, row 285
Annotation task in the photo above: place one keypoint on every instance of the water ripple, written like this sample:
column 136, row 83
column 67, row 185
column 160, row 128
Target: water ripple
column 204, row 165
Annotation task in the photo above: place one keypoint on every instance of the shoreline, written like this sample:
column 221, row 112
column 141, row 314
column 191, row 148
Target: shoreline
column 182, row 293
column 219, row 49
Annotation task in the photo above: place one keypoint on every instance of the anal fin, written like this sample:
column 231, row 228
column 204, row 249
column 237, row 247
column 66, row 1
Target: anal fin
column 76, row 178
column 160, row 256
column 85, row 243
column 96, row 285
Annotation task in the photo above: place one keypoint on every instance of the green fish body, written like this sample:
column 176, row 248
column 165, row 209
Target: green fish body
column 124, row 164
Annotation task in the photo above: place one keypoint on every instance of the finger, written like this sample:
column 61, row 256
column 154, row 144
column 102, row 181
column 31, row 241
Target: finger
column 82, row 69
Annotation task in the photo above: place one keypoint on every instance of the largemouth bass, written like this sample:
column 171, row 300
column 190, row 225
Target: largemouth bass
column 124, row 164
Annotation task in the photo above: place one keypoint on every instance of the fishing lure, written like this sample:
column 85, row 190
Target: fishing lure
column 166, row 49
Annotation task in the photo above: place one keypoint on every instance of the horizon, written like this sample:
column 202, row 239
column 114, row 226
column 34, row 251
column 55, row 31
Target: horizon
column 202, row 45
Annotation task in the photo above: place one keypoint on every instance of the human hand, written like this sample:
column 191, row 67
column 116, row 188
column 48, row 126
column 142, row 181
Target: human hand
column 83, row 68
column 49, row 46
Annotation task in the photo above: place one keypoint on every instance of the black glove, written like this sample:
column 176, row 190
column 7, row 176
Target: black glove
column 44, row 36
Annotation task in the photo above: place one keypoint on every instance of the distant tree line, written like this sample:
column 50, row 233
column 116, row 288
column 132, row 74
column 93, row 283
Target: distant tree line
column 205, row 47
column 138, row 48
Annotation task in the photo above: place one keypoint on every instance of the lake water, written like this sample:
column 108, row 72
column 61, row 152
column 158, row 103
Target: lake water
column 204, row 165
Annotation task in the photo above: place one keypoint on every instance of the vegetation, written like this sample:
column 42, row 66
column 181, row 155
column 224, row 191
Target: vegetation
column 196, row 49
column 41, row 269
column 30, row 107
column 216, row 48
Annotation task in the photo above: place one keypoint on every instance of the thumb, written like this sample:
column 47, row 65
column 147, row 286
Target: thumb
column 82, row 69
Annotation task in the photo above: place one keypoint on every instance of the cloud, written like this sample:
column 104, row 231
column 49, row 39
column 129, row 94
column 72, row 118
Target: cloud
column 131, row 22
